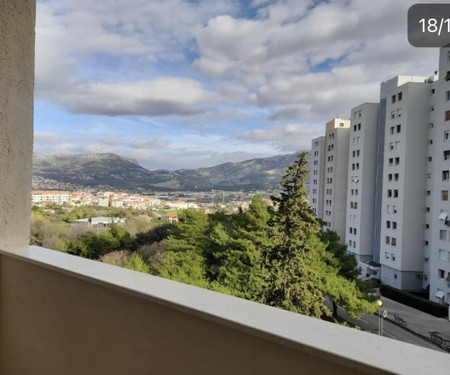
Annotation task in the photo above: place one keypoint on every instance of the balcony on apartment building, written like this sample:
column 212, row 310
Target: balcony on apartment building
column 60, row 314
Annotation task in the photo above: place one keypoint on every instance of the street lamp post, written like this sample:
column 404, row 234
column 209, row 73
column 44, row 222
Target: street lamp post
column 380, row 327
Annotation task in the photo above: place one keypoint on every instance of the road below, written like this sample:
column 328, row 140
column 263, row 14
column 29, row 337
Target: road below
column 370, row 323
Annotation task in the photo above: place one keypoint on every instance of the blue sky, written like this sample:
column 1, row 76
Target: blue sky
column 195, row 83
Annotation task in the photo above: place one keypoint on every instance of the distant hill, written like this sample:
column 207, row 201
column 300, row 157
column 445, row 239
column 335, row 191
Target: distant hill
column 110, row 170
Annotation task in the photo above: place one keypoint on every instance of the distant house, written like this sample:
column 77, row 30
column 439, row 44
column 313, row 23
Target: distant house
column 97, row 222
column 170, row 217
column 50, row 196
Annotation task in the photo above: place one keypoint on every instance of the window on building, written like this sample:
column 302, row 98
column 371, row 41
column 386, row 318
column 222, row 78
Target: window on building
column 397, row 161
column 395, row 193
column 388, row 240
column 389, row 209
column 447, row 135
column 443, row 235
column 394, row 225
column 391, row 146
column 447, row 95
column 394, row 209
column 446, row 155
column 430, row 141
column 447, row 115
column 392, row 129
column 430, row 159
column 444, row 195
column 397, row 145
column 445, row 175
column 427, row 226
column 432, row 108
column 430, row 125
column 399, row 112
column 359, row 126
column 393, row 241
column 441, row 273
column 391, row 161
column 389, row 193
column 395, row 176
column 427, row 209
column 442, row 255
column 447, row 76
column 390, row 177
column 388, row 224
column 399, row 128
column 433, row 91
column 393, row 257
column 393, row 98
column 386, row 255
column 400, row 96
column 428, row 192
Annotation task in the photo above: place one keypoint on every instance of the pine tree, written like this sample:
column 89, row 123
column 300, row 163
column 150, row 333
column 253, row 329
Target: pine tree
column 302, row 273
column 295, row 261
column 242, row 270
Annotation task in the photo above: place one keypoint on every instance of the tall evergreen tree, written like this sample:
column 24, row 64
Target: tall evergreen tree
column 295, row 260
column 302, row 273
column 242, row 270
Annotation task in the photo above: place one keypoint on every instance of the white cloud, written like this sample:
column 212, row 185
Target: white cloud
column 288, row 138
column 209, row 66
column 163, row 96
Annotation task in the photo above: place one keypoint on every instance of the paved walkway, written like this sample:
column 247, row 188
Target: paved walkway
column 416, row 321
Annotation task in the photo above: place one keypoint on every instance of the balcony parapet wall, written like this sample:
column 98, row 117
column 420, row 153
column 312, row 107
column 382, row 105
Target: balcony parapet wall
column 62, row 314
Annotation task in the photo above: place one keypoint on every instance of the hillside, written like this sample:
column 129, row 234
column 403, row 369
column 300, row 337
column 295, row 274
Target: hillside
column 110, row 170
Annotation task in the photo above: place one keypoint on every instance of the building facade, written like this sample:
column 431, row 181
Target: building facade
column 361, row 181
column 336, row 170
column 387, row 177
column 316, row 160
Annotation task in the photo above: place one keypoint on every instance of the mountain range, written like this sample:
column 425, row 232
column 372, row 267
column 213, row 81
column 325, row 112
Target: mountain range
column 114, row 171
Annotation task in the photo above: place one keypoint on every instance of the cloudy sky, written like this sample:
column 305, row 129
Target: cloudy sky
column 194, row 83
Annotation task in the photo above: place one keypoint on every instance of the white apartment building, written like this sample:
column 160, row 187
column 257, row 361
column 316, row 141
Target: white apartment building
column 50, row 196
column 387, row 176
column 361, row 181
column 336, row 170
column 316, row 162
column 404, row 181
column 437, row 255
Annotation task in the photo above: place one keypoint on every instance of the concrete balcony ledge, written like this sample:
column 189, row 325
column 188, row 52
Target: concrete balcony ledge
column 65, row 314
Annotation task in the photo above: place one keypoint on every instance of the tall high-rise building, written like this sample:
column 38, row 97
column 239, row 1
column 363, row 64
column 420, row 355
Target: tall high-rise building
column 404, row 181
column 336, row 169
column 437, row 253
column 361, row 181
column 316, row 175
column 387, row 176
